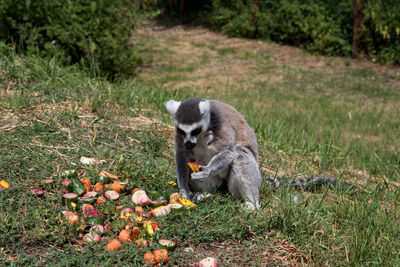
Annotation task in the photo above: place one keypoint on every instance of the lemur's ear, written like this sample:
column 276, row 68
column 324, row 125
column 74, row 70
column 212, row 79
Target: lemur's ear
column 172, row 106
column 204, row 107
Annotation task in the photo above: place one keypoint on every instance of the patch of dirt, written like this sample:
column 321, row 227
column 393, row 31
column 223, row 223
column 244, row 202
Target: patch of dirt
column 247, row 253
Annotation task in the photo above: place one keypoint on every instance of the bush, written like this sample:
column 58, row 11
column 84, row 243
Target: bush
column 94, row 32
column 319, row 26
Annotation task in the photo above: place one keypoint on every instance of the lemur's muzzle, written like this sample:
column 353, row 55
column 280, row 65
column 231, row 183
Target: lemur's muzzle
column 189, row 145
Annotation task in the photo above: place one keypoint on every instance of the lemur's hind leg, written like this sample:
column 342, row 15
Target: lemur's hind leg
column 245, row 178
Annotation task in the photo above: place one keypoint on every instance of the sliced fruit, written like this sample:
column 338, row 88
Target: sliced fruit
column 86, row 182
column 101, row 200
column 167, row 244
column 91, row 238
column 76, row 186
column 207, row 262
column 150, row 259
column 98, row 228
column 65, row 183
column 72, row 218
column 172, row 183
column 117, row 186
column 176, row 206
column 86, row 208
column 126, row 213
column 125, row 236
column 102, row 179
column 161, row 255
column 173, row 198
column 111, row 195
column 135, row 233
column 4, row 184
column 141, row 198
column 69, row 198
column 187, row 203
column 194, row 167
column 161, row 211
column 36, row 191
column 139, row 210
column 107, row 174
column 141, row 242
column 113, row 245
column 98, row 187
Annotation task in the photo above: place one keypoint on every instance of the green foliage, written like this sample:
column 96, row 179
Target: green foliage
column 319, row 26
column 95, row 32
column 382, row 30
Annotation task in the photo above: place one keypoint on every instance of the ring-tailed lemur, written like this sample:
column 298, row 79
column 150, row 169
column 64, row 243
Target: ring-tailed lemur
column 216, row 136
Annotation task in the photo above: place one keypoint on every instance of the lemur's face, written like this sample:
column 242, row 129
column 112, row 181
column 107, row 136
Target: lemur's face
column 192, row 118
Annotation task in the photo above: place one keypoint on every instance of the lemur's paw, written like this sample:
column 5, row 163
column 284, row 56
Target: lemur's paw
column 249, row 205
column 199, row 197
column 200, row 175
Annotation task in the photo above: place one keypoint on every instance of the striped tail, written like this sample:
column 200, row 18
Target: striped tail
column 307, row 182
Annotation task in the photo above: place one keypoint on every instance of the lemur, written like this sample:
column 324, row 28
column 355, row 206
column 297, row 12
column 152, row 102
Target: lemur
column 218, row 138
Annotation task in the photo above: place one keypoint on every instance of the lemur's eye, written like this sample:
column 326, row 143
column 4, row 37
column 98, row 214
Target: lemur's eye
column 196, row 131
column 180, row 131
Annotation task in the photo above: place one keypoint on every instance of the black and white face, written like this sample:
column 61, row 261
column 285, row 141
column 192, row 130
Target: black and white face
column 190, row 133
column 192, row 118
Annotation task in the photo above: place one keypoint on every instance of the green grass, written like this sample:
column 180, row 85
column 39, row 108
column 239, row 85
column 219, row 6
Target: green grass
column 52, row 115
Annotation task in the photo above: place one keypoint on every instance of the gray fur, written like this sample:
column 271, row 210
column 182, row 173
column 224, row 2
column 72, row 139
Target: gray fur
column 226, row 149
column 307, row 182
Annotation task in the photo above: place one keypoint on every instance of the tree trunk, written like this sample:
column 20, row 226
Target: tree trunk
column 254, row 20
column 357, row 30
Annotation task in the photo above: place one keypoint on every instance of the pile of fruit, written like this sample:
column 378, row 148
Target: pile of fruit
column 103, row 211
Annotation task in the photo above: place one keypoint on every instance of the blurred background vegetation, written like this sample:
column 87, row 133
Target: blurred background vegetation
column 98, row 33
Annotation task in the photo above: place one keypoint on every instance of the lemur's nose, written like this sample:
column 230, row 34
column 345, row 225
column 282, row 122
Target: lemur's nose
column 189, row 145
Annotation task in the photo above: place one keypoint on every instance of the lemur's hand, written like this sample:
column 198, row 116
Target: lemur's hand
column 202, row 174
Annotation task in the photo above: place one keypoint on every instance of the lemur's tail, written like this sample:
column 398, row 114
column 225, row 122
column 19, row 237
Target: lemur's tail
column 307, row 182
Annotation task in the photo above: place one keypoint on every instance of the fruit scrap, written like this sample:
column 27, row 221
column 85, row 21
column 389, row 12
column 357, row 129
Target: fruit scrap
column 161, row 211
column 125, row 236
column 66, row 182
column 86, row 208
column 150, row 226
column 141, row 242
column 113, row 245
column 117, row 186
column 98, row 187
column 149, row 258
column 98, row 228
column 111, row 195
column 187, row 203
column 86, row 182
column 107, row 174
column 101, row 200
column 126, row 213
column 139, row 210
column 91, row 237
column 141, row 198
column 135, row 233
column 167, row 244
column 194, row 167
column 207, row 262
column 172, row 183
column 72, row 218
column 176, row 198
column 161, row 255
column 36, row 191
